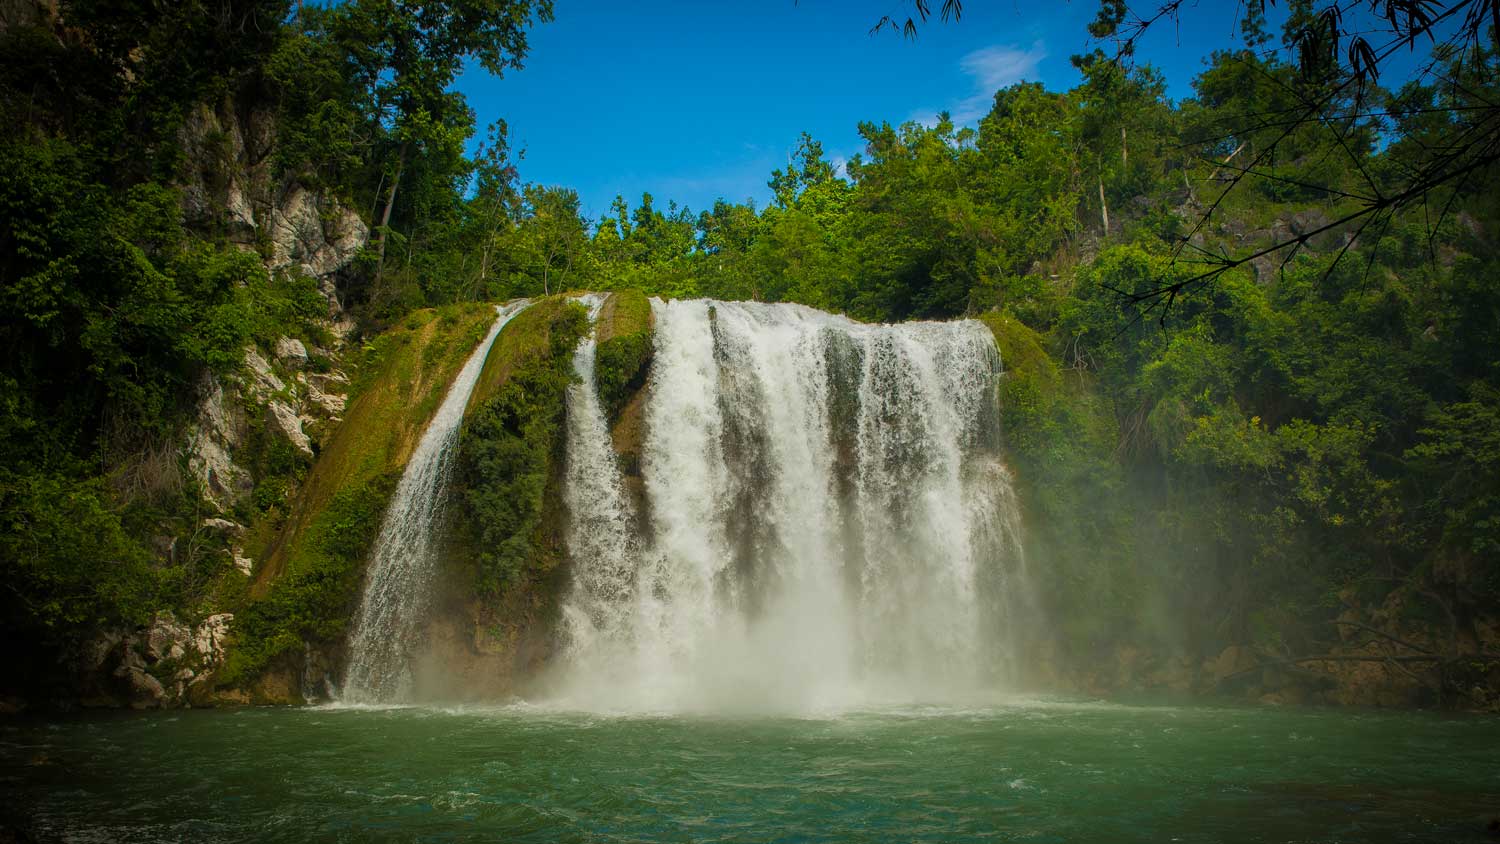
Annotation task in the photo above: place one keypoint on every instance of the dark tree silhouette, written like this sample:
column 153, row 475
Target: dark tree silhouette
column 1445, row 120
column 1340, row 49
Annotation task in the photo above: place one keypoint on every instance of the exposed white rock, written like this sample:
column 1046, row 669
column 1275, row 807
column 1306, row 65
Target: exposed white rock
column 291, row 351
column 209, row 448
column 238, row 209
column 210, row 637
column 328, row 380
column 241, row 562
column 289, row 424
column 224, row 526
column 341, row 327
column 316, row 235
column 166, row 639
column 332, row 404
column 264, row 382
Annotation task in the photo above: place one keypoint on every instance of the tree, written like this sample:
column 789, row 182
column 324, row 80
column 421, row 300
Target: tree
column 1340, row 49
column 921, row 12
column 408, row 55
column 550, row 238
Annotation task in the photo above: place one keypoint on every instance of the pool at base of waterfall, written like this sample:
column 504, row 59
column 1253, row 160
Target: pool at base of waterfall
column 1036, row 770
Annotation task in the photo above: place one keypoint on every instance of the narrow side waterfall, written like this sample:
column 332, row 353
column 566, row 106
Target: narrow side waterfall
column 400, row 571
column 600, row 533
column 828, row 522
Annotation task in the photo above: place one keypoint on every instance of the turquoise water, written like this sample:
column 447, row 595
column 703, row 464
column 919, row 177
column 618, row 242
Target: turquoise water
column 1035, row 771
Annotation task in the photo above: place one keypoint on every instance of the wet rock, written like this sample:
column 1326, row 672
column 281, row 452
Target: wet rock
column 1232, row 661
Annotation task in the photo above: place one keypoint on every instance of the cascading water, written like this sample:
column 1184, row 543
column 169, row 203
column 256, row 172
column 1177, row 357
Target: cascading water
column 828, row 521
column 600, row 532
column 400, row 571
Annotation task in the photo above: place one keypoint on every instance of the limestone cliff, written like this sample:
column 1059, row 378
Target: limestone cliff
column 255, row 432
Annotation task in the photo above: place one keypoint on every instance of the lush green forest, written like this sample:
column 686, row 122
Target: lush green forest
column 1245, row 459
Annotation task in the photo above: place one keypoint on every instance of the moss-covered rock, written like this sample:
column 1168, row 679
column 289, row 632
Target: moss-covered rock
column 511, row 448
column 625, row 346
column 1032, row 383
column 309, row 570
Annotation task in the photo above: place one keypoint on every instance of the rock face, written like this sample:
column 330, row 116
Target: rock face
column 1384, row 656
column 316, row 235
column 220, row 429
column 160, row 665
column 230, row 187
column 288, row 391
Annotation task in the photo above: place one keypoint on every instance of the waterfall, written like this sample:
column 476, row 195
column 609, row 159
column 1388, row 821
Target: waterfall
column 600, row 535
column 400, row 570
column 828, row 521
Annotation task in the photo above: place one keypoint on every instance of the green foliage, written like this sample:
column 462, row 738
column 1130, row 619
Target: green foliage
column 67, row 560
column 511, row 438
column 307, row 584
column 1209, row 472
column 313, row 601
column 624, row 351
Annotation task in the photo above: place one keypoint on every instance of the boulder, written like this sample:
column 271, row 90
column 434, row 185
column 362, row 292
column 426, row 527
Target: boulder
column 142, row 691
column 210, row 636
column 288, row 423
column 291, row 352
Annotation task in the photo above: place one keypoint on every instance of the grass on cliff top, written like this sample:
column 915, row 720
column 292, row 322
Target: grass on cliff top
column 304, row 588
column 625, row 313
column 526, row 336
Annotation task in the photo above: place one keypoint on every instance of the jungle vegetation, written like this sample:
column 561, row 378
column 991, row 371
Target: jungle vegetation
column 1208, row 453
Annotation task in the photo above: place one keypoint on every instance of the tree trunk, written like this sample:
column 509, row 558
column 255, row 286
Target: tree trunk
column 489, row 246
column 1124, row 150
column 1103, row 206
column 385, row 216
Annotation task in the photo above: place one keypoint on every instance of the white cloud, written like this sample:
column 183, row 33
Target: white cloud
column 990, row 69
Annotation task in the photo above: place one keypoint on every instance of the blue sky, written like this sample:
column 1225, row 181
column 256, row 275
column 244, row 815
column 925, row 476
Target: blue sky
column 697, row 100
